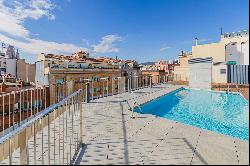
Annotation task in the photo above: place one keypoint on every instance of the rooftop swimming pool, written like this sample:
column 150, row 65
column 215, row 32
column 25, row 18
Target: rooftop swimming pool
column 217, row 111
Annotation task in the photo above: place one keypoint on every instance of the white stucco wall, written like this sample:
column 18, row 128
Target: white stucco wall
column 181, row 73
column 238, row 52
column 237, row 47
column 41, row 77
column 217, row 75
column 200, row 75
column 245, row 50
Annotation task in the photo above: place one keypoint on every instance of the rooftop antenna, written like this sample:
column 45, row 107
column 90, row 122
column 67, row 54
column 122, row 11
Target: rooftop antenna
column 221, row 32
column 196, row 41
column 17, row 54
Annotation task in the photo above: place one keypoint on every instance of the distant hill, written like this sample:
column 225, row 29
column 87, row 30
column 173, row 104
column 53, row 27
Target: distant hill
column 148, row 63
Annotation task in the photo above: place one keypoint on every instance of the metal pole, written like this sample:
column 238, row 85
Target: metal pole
column 48, row 139
column 3, row 115
column 103, row 89
column 40, row 101
column 20, row 105
column 22, row 140
column 13, row 113
column 10, row 153
column 118, row 86
column 9, row 110
column 36, row 90
column 28, row 103
column 59, row 135
column 45, row 97
column 31, row 102
column 34, row 127
column 92, row 83
column 112, row 86
column 54, row 132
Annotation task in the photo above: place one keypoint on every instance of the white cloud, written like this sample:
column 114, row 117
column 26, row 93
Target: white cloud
column 164, row 48
column 12, row 16
column 107, row 44
column 11, row 25
column 85, row 42
column 36, row 46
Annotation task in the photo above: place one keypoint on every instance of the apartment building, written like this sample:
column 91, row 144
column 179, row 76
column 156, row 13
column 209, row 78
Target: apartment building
column 232, row 49
column 57, row 69
column 236, row 47
column 158, row 71
column 9, row 83
column 25, row 71
column 157, row 76
column 181, row 70
column 8, row 59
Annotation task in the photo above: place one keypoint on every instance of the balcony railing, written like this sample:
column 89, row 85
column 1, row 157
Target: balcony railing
column 45, row 125
column 53, row 136
column 20, row 105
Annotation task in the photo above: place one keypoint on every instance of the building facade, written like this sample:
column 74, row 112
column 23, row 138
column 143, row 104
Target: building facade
column 25, row 71
column 104, row 75
column 158, row 71
column 8, row 59
column 232, row 49
column 237, row 47
column 181, row 70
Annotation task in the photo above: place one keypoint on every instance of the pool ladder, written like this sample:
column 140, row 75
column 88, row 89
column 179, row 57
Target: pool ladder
column 228, row 87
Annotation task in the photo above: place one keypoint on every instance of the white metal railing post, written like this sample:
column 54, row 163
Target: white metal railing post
column 81, row 120
column 3, row 116
column 9, row 109
column 118, row 85
column 125, row 80
column 22, row 140
column 13, row 109
column 20, row 105
column 112, row 86
column 107, row 87
column 39, row 129
column 92, row 89
column 103, row 89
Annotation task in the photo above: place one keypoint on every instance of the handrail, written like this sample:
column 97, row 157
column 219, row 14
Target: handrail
column 37, row 117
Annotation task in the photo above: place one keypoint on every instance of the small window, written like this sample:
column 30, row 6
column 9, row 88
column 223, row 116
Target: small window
column 223, row 71
column 95, row 90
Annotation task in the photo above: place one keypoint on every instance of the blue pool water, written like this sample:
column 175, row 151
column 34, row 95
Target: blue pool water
column 221, row 112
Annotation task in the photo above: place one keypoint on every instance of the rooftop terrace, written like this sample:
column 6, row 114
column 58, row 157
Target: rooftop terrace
column 113, row 134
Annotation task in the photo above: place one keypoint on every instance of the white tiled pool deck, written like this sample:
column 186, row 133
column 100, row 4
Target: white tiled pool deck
column 113, row 137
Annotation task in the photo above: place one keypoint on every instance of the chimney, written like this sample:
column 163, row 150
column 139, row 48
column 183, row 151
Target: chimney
column 196, row 41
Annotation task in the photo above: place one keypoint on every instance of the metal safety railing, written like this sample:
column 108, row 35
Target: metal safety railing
column 53, row 136
column 107, row 86
column 44, row 125
column 17, row 106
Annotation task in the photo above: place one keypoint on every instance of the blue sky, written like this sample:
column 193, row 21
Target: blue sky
column 144, row 30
